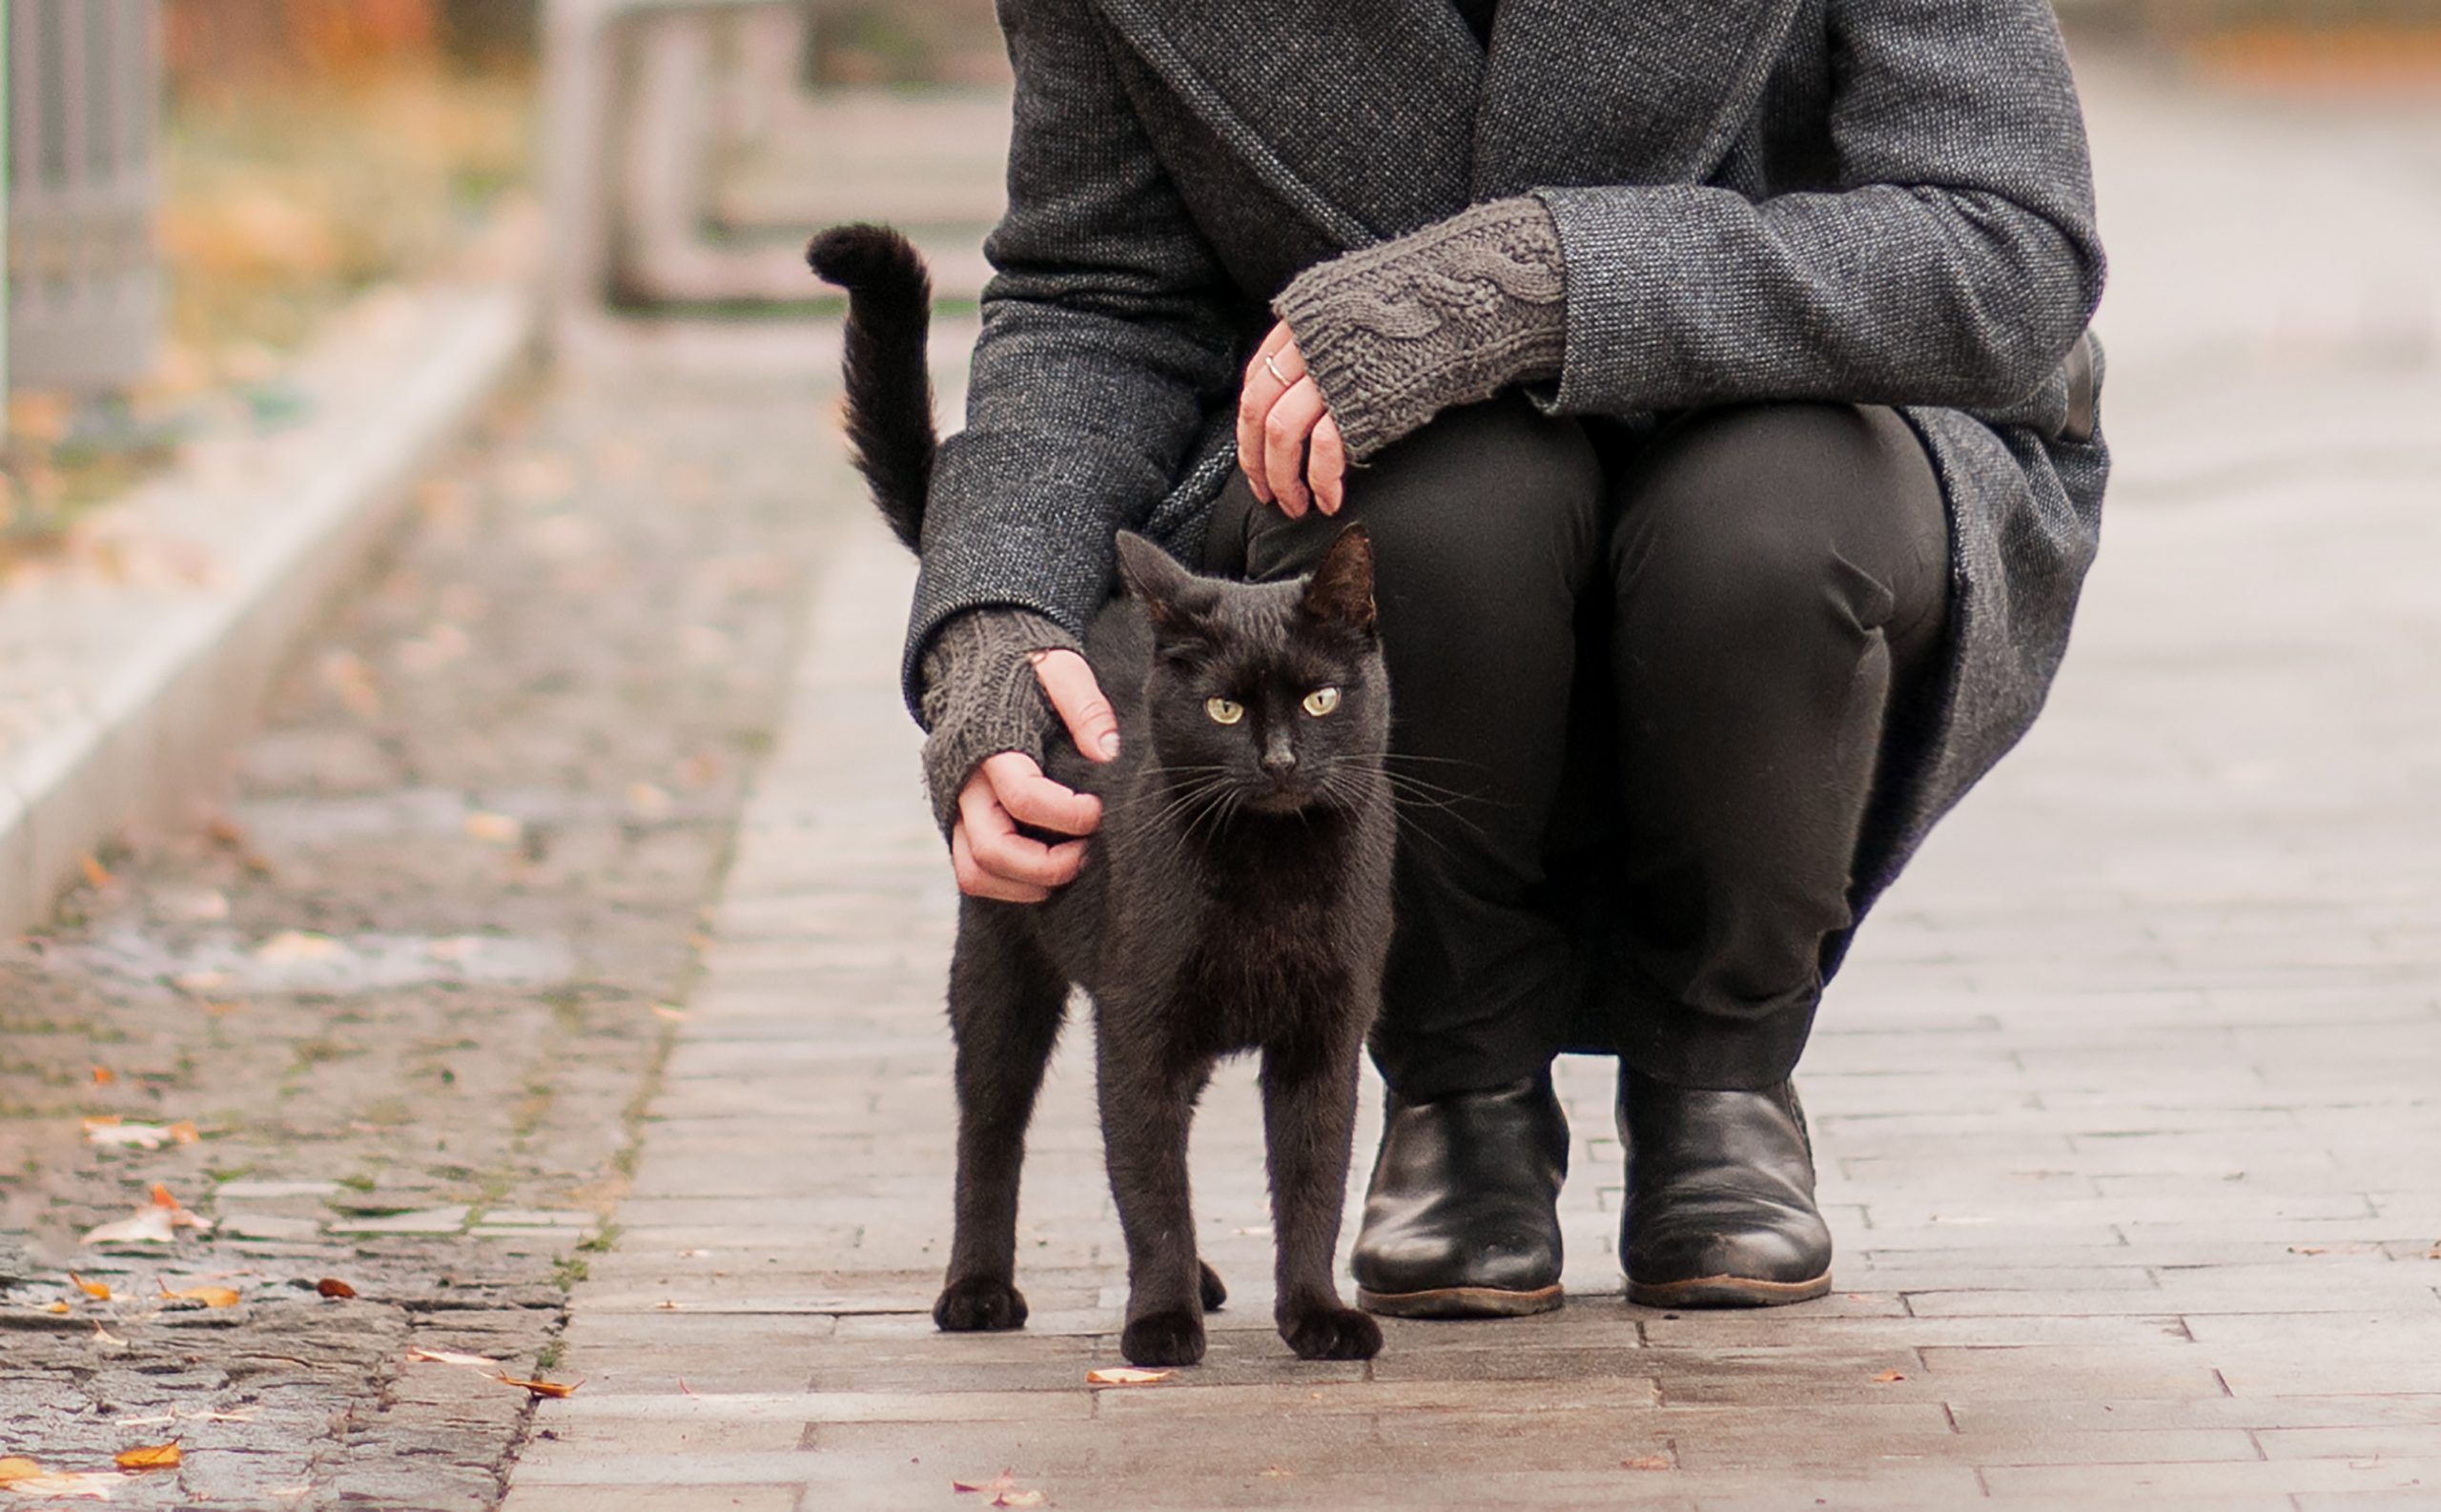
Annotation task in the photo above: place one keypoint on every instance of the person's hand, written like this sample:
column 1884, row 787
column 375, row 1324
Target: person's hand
column 1288, row 443
column 991, row 858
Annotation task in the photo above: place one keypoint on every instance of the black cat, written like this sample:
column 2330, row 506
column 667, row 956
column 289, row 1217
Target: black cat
column 1237, row 896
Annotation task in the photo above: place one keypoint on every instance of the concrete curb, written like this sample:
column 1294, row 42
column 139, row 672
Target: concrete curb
column 126, row 680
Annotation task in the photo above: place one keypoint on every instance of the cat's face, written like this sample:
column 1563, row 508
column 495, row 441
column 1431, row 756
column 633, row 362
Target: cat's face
column 1265, row 697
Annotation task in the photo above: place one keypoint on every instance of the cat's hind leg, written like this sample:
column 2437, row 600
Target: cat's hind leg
column 1006, row 1000
column 1309, row 1119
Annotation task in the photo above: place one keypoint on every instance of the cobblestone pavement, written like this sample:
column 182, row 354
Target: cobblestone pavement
column 407, row 986
column 2125, row 1110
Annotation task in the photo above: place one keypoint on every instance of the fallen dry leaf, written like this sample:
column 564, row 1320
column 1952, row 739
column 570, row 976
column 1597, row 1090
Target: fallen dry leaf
column 1889, row 1376
column 98, row 1290
column 179, row 1217
column 1649, row 1461
column 98, row 1486
column 450, row 1357
column 346, row 675
column 103, row 1075
column 297, row 945
column 1125, row 1375
column 95, row 872
column 208, row 1295
column 110, row 1132
column 148, row 1456
column 56, row 1307
column 1004, row 1490
column 495, row 829
column 333, row 1286
column 542, row 1388
column 18, row 1467
column 149, row 1225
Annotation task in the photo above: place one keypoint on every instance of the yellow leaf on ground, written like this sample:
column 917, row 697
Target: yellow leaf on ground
column 103, row 1075
column 185, row 1133
column 542, row 1388
column 96, row 1289
column 1889, row 1376
column 55, row 1307
column 1649, row 1461
column 208, row 1295
column 18, row 1467
column 333, row 1286
column 495, row 829
column 450, row 1357
column 95, row 872
column 1125, row 1375
column 148, row 1456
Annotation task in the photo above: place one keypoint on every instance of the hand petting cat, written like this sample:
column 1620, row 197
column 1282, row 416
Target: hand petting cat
column 1289, row 441
column 991, row 857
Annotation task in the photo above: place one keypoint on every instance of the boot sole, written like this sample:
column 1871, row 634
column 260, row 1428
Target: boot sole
column 1460, row 1301
column 1726, row 1291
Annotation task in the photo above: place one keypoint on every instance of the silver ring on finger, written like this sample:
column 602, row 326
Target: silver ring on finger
column 1273, row 366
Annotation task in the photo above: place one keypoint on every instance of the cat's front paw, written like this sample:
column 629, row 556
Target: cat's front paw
column 1174, row 1338
column 979, row 1304
column 1332, row 1333
column 1214, row 1293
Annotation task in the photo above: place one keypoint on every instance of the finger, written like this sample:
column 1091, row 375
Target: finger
column 1284, row 443
column 1070, row 686
column 993, row 837
column 1031, row 798
column 1275, row 365
column 1326, row 465
column 975, row 882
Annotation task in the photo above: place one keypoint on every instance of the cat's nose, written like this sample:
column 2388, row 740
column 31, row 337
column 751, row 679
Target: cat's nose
column 1280, row 761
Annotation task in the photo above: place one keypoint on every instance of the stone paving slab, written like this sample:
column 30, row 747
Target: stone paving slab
column 2120, row 1106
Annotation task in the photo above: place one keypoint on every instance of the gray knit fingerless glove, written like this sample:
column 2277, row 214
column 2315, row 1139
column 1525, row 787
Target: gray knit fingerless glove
column 1449, row 315
column 981, row 697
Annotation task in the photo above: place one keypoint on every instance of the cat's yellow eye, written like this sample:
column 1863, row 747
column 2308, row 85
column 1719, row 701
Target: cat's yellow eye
column 1225, row 710
column 1322, row 701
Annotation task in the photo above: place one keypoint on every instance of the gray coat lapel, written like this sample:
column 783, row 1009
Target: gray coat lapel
column 1360, row 114
column 1619, row 91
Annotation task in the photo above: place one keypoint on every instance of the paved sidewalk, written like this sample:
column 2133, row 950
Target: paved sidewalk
column 2125, row 1110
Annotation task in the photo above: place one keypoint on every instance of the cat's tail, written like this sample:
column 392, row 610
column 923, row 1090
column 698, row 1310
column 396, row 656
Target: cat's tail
column 890, row 389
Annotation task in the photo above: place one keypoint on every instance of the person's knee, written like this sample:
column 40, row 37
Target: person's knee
column 1489, row 497
column 1760, row 513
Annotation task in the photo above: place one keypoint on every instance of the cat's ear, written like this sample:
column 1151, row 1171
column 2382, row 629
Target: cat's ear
column 1341, row 590
column 1174, row 599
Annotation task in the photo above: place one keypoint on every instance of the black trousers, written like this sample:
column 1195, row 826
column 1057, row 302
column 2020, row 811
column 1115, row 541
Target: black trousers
column 1641, row 690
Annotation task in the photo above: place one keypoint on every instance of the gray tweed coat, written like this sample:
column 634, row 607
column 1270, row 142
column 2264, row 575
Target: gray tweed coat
column 1878, row 200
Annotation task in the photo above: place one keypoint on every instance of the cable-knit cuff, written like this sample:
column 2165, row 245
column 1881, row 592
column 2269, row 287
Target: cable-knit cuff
column 981, row 697
column 1449, row 315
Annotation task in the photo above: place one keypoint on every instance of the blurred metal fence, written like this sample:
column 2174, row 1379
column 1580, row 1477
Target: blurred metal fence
column 83, row 277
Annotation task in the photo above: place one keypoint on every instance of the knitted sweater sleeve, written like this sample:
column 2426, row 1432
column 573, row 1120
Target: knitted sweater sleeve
column 1397, row 331
column 981, row 697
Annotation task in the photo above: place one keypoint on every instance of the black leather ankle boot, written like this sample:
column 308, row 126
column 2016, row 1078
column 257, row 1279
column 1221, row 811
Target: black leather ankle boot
column 1720, row 1205
column 1461, row 1217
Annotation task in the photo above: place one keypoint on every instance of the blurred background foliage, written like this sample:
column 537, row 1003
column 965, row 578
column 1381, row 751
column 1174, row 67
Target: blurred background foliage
column 315, row 148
